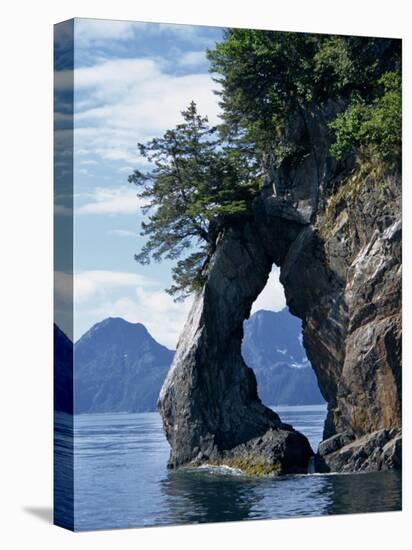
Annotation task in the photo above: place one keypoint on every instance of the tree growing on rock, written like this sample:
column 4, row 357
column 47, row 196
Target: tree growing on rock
column 198, row 184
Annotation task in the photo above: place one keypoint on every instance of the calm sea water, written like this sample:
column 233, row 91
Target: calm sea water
column 121, row 480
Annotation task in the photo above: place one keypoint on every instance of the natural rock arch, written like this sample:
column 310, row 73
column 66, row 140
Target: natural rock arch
column 338, row 246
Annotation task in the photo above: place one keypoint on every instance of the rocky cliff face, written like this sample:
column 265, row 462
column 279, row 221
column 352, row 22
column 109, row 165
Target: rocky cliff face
column 335, row 231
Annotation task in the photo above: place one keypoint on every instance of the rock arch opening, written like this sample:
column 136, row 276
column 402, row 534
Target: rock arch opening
column 272, row 346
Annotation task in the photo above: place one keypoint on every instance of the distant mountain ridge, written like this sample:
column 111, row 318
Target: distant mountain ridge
column 120, row 367
column 272, row 337
column 272, row 346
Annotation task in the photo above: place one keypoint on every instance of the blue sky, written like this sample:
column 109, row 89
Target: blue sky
column 132, row 80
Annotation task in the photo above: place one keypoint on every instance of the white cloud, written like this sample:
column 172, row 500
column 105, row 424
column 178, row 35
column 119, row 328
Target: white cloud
column 89, row 283
column 61, row 210
column 126, row 169
column 272, row 297
column 95, row 32
column 112, row 76
column 163, row 318
column 115, row 75
column 63, row 287
column 100, row 294
column 191, row 59
column 191, row 34
column 62, row 117
column 105, row 200
column 86, row 285
column 88, row 32
column 133, row 100
column 122, row 233
column 63, row 80
column 63, row 145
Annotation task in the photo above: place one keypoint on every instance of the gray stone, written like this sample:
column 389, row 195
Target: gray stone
column 334, row 443
column 378, row 451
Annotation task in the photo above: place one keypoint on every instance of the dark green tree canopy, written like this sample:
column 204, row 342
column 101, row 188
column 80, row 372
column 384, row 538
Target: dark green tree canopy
column 266, row 76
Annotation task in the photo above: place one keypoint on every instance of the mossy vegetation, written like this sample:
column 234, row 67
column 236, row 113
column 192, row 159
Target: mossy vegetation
column 371, row 170
column 342, row 199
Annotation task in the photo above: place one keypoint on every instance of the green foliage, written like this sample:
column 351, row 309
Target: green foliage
column 197, row 184
column 374, row 127
column 263, row 76
column 266, row 77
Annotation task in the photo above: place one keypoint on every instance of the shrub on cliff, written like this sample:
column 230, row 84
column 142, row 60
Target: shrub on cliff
column 375, row 127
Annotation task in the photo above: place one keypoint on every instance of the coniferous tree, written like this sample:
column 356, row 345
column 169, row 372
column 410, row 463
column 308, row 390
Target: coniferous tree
column 198, row 184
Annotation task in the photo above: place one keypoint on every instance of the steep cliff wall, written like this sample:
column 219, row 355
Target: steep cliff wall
column 342, row 276
column 334, row 229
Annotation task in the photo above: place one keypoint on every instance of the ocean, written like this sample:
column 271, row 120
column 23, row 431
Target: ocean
column 121, row 480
